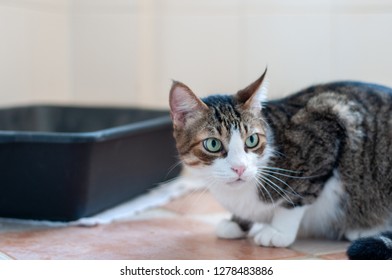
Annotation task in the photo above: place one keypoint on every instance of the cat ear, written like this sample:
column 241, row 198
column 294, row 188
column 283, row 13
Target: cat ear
column 184, row 104
column 254, row 95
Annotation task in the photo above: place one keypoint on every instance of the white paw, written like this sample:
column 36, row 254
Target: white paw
column 255, row 229
column 270, row 237
column 229, row 230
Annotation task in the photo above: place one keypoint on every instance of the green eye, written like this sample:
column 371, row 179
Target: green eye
column 212, row 145
column 252, row 141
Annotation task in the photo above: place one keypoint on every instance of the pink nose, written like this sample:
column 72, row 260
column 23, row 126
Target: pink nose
column 239, row 170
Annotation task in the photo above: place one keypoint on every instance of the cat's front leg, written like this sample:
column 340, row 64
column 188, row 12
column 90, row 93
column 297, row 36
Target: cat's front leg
column 235, row 228
column 283, row 229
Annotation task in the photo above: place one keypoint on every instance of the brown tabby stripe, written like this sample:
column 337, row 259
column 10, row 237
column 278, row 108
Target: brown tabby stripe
column 207, row 159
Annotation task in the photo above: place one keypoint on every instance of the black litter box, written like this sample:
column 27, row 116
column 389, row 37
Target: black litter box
column 62, row 163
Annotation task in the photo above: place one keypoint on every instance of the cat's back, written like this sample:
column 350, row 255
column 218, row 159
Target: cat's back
column 349, row 101
column 356, row 120
column 367, row 94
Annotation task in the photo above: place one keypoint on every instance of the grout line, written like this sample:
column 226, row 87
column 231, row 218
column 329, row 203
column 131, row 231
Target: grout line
column 4, row 256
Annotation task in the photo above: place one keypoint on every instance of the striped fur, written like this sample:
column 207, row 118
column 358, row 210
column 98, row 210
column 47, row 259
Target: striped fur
column 326, row 150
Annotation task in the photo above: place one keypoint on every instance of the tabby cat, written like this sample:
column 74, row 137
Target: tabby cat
column 316, row 163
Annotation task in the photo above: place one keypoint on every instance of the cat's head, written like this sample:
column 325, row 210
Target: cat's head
column 224, row 137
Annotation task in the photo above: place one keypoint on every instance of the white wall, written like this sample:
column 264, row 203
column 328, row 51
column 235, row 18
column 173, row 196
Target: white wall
column 127, row 51
column 34, row 51
column 105, row 51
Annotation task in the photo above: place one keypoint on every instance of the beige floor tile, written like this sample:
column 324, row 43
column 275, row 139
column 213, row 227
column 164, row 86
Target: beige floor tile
column 334, row 256
column 319, row 246
column 151, row 239
column 199, row 202
column 4, row 256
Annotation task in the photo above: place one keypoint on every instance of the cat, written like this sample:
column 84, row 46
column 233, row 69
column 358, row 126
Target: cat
column 317, row 163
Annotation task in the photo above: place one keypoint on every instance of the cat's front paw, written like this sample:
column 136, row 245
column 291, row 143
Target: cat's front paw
column 271, row 237
column 228, row 229
column 255, row 229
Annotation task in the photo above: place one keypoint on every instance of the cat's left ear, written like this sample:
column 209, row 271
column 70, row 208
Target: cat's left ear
column 184, row 104
column 253, row 96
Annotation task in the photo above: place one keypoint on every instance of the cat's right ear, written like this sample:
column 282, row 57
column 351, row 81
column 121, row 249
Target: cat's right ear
column 184, row 104
column 254, row 95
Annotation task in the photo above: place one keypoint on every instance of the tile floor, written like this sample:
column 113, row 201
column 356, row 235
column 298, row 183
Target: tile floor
column 181, row 229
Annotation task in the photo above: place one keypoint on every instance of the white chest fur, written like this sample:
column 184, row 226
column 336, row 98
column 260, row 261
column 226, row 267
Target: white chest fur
column 243, row 201
column 324, row 211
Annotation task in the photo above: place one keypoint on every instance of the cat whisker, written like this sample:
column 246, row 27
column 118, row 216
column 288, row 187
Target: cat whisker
column 173, row 167
column 220, row 175
column 278, row 189
column 278, row 154
column 289, row 176
column 160, row 184
column 254, row 181
column 293, row 192
column 260, row 183
column 280, row 169
column 257, row 182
